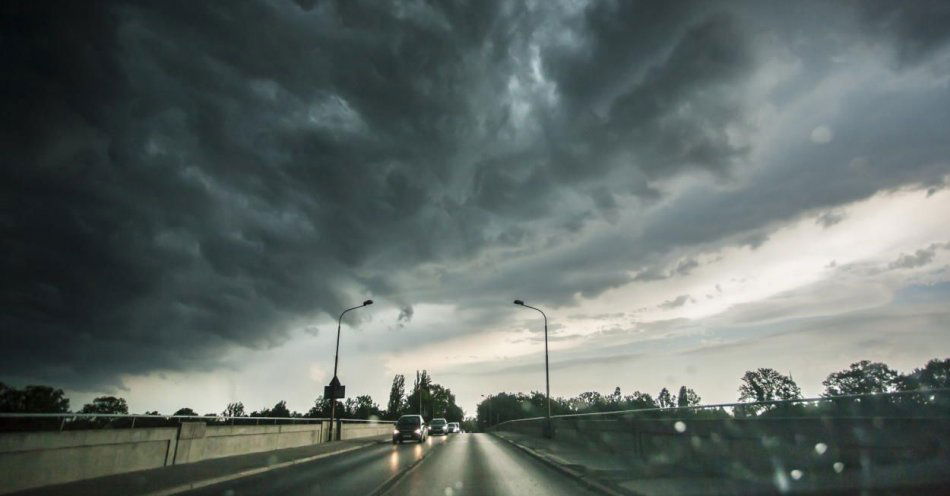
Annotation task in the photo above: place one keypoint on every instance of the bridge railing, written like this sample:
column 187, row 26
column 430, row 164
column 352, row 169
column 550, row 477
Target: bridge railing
column 13, row 422
column 903, row 403
column 823, row 437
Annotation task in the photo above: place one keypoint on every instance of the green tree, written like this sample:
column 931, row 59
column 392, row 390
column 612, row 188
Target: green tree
column 665, row 399
column 106, row 404
column 185, row 411
column 470, row 425
column 934, row 375
column 420, row 401
column 434, row 399
column 279, row 410
column 320, row 408
column 233, row 410
column 33, row 399
column 687, row 397
column 365, row 408
column 589, row 401
column 638, row 400
column 396, row 393
column 864, row 377
column 767, row 384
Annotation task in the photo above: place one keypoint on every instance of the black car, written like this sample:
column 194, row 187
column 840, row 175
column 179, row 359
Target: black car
column 439, row 426
column 410, row 427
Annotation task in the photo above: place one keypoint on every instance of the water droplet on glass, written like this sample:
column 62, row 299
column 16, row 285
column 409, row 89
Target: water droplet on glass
column 839, row 467
column 781, row 481
column 820, row 448
column 680, row 426
column 796, row 474
column 458, row 485
column 449, row 491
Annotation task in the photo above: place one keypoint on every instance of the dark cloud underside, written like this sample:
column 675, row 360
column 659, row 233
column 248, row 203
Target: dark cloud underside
column 179, row 177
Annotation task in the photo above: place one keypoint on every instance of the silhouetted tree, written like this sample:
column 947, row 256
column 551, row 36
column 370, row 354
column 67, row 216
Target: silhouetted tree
column 233, row 410
column 665, row 399
column 421, row 396
column 106, row 404
column 320, row 408
column 934, row 375
column 279, row 410
column 396, row 393
column 33, row 399
column 185, row 411
column 767, row 384
column 864, row 377
column 687, row 397
column 589, row 401
column 365, row 408
column 638, row 400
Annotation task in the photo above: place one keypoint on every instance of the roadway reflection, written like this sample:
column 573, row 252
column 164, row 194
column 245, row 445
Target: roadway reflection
column 394, row 461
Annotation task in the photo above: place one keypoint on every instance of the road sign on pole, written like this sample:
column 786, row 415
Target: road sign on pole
column 335, row 390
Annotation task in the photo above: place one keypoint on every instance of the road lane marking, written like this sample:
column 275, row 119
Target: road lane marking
column 391, row 483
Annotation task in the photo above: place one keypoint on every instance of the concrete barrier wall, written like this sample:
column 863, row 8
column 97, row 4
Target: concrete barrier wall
column 33, row 459
column 199, row 442
column 367, row 429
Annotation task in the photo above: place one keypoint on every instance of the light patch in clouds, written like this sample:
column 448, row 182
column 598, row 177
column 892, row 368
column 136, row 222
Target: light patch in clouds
column 318, row 374
column 822, row 134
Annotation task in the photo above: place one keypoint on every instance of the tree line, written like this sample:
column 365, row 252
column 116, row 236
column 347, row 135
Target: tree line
column 760, row 385
column 426, row 397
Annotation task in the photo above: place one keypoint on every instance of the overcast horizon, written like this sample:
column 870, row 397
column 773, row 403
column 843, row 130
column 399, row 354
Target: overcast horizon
column 192, row 192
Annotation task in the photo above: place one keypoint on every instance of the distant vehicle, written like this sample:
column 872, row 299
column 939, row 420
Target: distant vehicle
column 454, row 428
column 439, row 426
column 410, row 427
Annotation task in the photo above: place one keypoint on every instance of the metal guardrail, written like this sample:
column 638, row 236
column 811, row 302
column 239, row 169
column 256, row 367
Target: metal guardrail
column 65, row 421
column 932, row 393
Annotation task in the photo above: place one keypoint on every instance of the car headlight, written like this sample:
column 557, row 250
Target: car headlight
column 418, row 431
column 395, row 431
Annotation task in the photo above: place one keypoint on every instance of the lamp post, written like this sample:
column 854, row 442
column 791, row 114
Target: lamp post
column 548, row 428
column 336, row 362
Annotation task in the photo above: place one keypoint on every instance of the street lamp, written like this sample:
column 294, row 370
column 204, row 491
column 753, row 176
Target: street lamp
column 336, row 361
column 548, row 428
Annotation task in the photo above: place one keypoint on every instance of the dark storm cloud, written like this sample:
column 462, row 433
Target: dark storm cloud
column 180, row 177
column 675, row 302
column 918, row 27
column 919, row 258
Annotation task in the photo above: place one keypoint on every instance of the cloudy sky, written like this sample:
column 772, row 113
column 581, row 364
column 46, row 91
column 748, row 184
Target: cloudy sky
column 193, row 191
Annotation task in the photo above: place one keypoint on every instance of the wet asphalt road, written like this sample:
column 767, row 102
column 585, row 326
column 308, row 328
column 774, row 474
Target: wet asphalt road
column 459, row 464
column 483, row 464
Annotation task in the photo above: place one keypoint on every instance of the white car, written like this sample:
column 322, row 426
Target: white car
column 454, row 428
